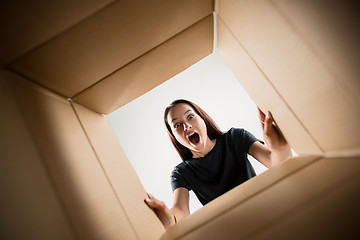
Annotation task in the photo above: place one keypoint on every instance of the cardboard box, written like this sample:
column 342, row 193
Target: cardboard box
column 63, row 173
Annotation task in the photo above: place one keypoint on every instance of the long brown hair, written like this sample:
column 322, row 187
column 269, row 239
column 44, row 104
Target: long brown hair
column 213, row 130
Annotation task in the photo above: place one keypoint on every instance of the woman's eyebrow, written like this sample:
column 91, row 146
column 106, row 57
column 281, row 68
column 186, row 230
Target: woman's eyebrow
column 187, row 111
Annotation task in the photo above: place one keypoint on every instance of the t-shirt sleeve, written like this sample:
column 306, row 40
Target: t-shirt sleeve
column 244, row 138
column 177, row 180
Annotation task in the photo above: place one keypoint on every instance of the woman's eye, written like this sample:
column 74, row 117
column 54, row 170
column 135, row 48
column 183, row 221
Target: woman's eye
column 176, row 125
column 191, row 116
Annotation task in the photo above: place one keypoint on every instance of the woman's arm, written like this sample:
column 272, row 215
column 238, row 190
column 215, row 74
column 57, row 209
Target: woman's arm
column 277, row 149
column 180, row 208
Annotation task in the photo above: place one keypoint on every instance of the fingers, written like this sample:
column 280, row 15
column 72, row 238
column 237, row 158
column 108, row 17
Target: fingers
column 268, row 124
column 265, row 120
column 153, row 203
column 261, row 117
column 150, row 201
column 161, row 210
column 272, row 134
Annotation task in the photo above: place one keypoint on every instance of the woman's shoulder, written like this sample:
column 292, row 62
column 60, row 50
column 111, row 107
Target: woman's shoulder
column 239, row 135
column 242, row 138
column 232, row 132
column 186, row 165
column 179, row 167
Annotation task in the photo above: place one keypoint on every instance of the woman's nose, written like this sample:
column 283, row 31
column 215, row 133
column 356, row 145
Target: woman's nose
column 187, row 126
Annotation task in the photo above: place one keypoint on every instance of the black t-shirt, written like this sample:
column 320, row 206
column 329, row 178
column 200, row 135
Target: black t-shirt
column 223, row 168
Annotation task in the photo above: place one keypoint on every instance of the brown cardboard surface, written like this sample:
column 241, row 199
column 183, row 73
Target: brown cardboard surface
column 150, row 70
column 340, row 222
column 29, row 204
column 120, row 173
column 323, row 181
column 331, row 29
column 27, row 24
column 262, row 91
column 310, row 87
column 73, row 169
column 106, row 41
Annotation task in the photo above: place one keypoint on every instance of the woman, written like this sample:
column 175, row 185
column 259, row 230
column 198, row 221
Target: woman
column 213, row 162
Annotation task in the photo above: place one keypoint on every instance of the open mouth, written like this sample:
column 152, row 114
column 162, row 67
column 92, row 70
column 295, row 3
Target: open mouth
column 194, row 138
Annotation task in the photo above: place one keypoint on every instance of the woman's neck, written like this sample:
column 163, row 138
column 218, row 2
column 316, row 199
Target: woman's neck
column 210, row 144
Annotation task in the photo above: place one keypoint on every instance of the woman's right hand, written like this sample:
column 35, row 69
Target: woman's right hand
column 161, row 210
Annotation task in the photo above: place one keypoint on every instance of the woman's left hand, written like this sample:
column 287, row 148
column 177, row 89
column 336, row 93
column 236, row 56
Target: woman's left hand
column 161, row 210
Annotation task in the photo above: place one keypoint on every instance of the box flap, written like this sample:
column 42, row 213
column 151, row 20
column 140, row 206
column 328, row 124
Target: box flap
column 263, row 92
column 321, row 94
column 120, row 173
column 293, row 203
column 26, row 25
column 151, row 69
column 29, row 204
column 107, row 41
column 72, row 168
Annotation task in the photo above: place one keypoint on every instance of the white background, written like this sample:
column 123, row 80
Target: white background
column 141, row 132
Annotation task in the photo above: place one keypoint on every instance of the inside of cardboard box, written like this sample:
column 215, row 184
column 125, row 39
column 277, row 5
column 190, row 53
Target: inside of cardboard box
column 309, row 71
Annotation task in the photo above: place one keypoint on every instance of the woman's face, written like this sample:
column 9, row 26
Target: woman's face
column 188, row 127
